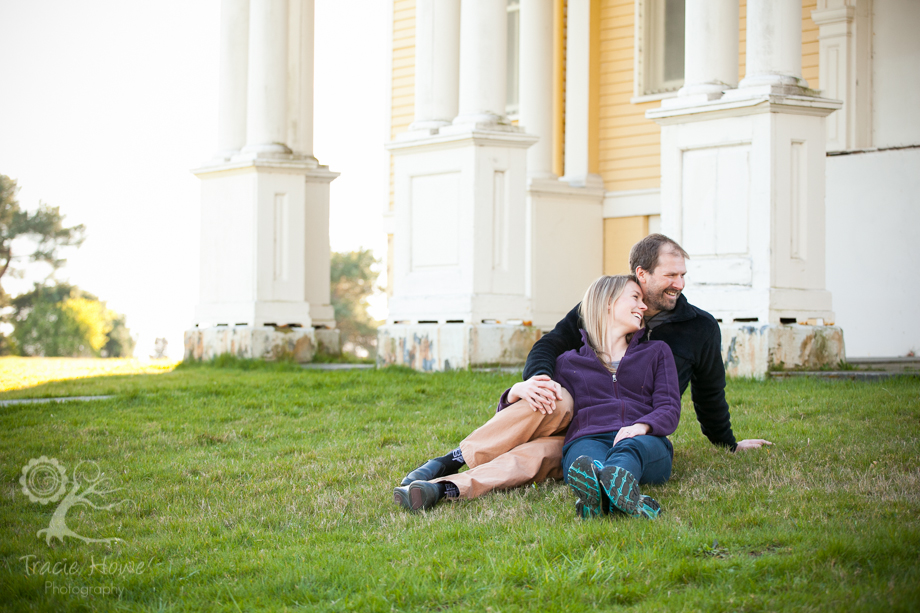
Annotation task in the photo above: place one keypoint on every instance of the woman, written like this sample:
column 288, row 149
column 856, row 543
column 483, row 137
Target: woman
column 626, row 403
column 625, row 395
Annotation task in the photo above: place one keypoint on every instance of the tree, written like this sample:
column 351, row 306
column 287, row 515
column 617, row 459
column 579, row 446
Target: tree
column 120, row 343
column 353, row 282
column 45, row 227
column 62, row 320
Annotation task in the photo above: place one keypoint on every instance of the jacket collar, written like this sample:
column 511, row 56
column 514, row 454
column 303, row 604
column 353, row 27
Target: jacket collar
column 683, row 310
column 588, row 352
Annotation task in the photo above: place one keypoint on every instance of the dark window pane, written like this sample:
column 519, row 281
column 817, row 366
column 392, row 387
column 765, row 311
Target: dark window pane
column 673, row 40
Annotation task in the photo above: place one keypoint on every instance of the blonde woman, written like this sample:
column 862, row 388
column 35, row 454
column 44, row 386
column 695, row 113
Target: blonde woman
column 627, row 402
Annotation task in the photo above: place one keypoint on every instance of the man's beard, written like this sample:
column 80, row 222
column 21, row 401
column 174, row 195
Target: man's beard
column 659, row 301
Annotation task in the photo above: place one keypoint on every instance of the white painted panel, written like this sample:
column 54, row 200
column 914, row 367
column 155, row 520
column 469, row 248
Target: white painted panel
column 281, row 224
column 733, row 200
column 500, row 222
column 722, row 271
column 716, row 200
column 435, row 217
column 798, row 202
column 698, row 200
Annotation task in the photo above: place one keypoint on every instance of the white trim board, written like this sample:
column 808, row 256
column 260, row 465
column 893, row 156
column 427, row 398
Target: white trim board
column 633, row 202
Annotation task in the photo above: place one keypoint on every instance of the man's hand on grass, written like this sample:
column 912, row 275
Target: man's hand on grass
column 540, row 392
column 751, row 443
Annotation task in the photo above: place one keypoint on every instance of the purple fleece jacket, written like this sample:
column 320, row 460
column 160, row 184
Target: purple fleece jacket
column 644, row 390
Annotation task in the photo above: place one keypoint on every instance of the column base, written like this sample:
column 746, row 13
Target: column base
column 752, row 351
column 260, row 343
column 441, row 347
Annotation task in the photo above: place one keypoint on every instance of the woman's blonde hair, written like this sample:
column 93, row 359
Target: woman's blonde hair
column 593, row 310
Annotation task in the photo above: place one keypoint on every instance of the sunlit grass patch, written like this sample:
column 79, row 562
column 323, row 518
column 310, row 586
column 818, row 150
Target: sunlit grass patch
column 18, row 373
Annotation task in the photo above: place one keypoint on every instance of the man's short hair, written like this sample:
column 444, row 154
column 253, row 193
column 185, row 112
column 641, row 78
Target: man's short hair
column 644, row 254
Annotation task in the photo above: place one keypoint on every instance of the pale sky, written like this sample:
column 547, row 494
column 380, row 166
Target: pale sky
column 106, row 105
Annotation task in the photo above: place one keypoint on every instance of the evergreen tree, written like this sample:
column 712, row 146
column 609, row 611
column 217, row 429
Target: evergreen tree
column 45, row 227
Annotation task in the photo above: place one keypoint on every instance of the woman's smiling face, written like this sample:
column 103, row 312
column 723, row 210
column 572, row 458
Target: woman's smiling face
column 627, row 311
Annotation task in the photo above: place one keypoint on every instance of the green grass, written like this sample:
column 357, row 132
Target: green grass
column 271, row 489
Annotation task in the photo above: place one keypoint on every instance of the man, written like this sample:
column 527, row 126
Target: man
column 523, row 442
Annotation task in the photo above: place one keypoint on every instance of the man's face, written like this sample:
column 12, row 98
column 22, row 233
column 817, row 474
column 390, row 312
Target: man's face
column 663, row 285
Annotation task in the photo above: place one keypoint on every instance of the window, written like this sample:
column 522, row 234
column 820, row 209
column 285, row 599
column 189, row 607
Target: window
column 659, row 48
column 514, row 53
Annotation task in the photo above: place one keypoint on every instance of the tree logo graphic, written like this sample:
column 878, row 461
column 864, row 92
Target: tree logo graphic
column 44, row 480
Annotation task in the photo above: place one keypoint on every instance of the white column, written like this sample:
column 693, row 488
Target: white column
column 536, row 65
column 234, row 60
column 483, row 49
column 774, row 43
column 437, row 63
column 577, row 88
column 710, row 48
column 266, row 117
column 300, row 79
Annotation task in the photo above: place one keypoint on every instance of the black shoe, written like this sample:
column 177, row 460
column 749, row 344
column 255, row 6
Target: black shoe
column 423, row 495
column 432, row 469
column 621, row 488
column 401, row 497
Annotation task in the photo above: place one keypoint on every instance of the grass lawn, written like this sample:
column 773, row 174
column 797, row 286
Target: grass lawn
column 271, row 489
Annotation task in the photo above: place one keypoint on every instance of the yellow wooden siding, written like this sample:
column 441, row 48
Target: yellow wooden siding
column 620, row 234
column 402, row 75
column 622, row 126
column 559, row 33
column 594, row 70
column 809, row 44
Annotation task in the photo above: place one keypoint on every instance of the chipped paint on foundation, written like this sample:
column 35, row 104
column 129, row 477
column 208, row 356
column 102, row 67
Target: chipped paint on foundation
column 261, row 343
column 752, row 351
column 439, row 347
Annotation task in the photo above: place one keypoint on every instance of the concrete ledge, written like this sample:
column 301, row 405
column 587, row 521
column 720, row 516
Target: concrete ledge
column 840, row 375
column 891, row 365
column 753, row 351
column 259, row 342
column 328, row 341
column 438, row 347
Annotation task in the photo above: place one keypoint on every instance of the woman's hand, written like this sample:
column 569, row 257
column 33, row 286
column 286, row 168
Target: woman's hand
column 540, row 392
column 631, row 431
